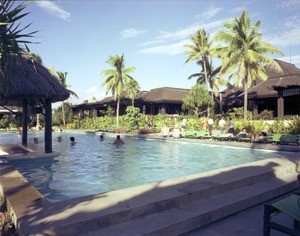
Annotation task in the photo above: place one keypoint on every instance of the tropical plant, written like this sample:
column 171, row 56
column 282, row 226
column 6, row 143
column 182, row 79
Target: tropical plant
column 12, row 35
column 132, row 89
column 266, row 115
column 117, row 79
column 214, row 79
column 200, row 50
column 63, row 113
column 294, row 125
column 244, row 53
column 131, row 118
column 236, row 113
column 62, row 78
column 197, row 100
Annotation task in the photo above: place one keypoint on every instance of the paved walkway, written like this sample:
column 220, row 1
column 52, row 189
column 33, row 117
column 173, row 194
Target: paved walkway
column 246, row 223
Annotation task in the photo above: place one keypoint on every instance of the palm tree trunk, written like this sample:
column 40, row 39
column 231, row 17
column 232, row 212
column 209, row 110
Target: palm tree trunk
column 24, row 122
column 206, row 80
column 245, row 100
column 63, row 114
column 48, row 126
column 37, row 121
column 118, row 108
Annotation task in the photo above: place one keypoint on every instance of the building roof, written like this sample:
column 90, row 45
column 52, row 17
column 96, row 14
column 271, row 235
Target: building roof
column 158, row 95
column 165, row 94
column 288, row 77
column 32, row 81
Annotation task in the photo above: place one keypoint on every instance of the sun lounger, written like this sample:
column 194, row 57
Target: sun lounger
column 189, row 134
column 274, row 138
column 202, row 134
column 224, row 137
column 291, row 207
column 289, row 139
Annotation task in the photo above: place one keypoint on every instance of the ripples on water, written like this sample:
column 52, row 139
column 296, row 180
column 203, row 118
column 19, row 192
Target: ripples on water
column 92, row 166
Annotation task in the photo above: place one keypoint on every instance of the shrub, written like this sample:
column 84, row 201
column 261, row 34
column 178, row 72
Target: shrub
column 294, row 125
column 237, row 113
column 277, row 127
column 266, row 115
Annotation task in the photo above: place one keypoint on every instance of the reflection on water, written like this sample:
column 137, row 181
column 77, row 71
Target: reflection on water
column 92, row 166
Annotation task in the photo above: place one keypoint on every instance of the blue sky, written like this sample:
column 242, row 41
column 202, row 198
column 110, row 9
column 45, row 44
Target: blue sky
column 78, row 36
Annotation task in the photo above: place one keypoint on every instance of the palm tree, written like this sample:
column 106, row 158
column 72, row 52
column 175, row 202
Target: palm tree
column 214, row 80
column 244, row 55
column 116, row 79
column 132, row 89
column 11, row 36
column 62, row 77
column 201, row 48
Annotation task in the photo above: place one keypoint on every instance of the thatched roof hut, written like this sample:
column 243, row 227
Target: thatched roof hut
column 288, row 77
column 166, row 94
column 30, row 80
column 266, row 93
column 30, row 85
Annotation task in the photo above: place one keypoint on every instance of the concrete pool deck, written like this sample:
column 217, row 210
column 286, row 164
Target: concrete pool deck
column 170, row 207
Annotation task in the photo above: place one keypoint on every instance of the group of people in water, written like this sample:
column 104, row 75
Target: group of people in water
column 118, row 140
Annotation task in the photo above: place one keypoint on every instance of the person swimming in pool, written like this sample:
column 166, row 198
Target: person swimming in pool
column 118, row 140
column 73, row 142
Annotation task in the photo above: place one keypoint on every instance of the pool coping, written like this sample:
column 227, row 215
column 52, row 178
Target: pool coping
column 32, row 213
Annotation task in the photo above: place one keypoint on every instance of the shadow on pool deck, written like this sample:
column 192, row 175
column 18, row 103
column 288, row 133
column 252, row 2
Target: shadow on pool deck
column 169, row 207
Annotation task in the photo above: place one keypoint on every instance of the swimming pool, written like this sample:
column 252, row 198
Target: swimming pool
column 92, row 166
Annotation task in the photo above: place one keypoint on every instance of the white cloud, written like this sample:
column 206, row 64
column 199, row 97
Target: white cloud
column 293, row 59
column 88, row 94
column 153, row 42
column 131, row 33
column 210, row 12
column 238, row 9
column 170, row 49
column 183, row 33
column 53, row 9
column 292, row 22
column 286, row 38
column 289, row 4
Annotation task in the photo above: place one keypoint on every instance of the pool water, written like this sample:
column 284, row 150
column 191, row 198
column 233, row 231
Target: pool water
column 92, row 166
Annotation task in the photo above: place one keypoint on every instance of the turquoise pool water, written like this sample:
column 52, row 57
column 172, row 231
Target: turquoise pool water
column 92, row 166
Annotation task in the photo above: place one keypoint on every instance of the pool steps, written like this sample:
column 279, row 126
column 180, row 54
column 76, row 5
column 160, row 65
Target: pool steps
column 171, row 207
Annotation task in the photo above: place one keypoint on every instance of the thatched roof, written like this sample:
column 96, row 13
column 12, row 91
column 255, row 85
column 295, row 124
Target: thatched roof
column 289, row 77
column 166, row 94
column 31, row 81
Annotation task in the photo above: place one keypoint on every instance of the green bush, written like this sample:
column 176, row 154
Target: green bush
column 294, row 125
column 266, row 115
column 237, row 113
column 4, row 122
column 278, row 127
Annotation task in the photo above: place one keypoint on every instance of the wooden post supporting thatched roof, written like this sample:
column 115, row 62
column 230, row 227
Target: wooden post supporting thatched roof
column 31, row 85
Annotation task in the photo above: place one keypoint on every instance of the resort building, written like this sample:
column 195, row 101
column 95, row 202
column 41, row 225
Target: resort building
column 163, row 100
column 279, row 93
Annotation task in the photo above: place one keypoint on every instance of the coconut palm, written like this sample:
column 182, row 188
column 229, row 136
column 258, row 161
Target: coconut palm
column 62, row 77
column 116, row 79
column 11, row 36
column 214, row 80
column 132, row 89
column 244, row 55
column 201, row 48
